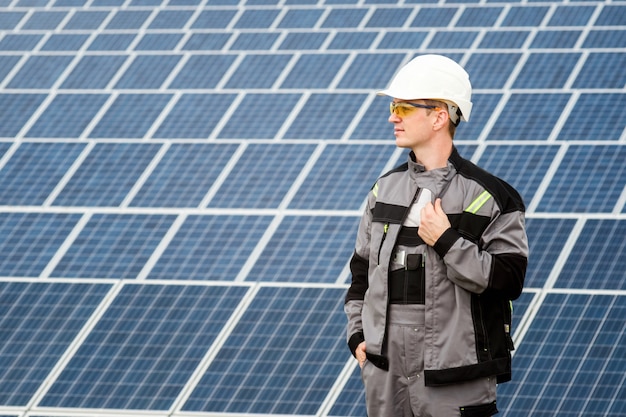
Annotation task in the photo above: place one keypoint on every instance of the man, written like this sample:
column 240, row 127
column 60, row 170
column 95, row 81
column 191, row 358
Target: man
column 440, row 252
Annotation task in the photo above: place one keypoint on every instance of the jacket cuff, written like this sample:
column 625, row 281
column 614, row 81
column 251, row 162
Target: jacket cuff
column 445, row 241
column 355, row 341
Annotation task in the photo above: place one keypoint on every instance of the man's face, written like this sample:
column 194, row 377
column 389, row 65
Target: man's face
column 412, row 122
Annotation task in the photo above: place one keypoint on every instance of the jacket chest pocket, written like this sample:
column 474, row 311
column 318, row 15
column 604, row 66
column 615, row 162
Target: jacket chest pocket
column 407, row 285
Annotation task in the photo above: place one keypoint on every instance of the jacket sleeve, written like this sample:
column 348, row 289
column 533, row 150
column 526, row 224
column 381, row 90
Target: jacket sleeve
column 496, row 263
column 359, row 266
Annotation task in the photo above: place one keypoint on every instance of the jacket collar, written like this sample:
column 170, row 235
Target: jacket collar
column 436, row 180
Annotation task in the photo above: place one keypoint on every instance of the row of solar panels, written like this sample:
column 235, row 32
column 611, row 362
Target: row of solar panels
column 560, row 116
column 266, row 349
column 264, row 248
column 301, row 17
column 551, row 178
column 315, row 41
column 156, row 347
column 285, row 71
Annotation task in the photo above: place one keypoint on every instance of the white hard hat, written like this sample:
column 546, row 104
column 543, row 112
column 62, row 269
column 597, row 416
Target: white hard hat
column 434, row 77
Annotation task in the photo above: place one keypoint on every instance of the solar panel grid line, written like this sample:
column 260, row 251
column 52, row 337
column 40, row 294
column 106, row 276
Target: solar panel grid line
column 342, row 71
column 620, row 203
column 259, row 248
column 35, row 115
column 280, row 40
column 68, row 175
column 576, row 70
column 588, row 27
column 478, row 153
column 347, row 134
column 394, row 161
column 128, row 62
column 24, row 20
column 161, row 247
column 414, row 11
column 497, row 112
column 239, row 58
column 474, row 46
column 286, row 71
column 99, row 115
column 66, row 19
column 369, row 12
column 239, row 11
column 213, row 350
column 344, row 275
column 14, row 71
column 616, row 395
column 586, row 354
column 156, row 124
column 380, row 35
column 557, row 359
column 82, row 335
column 547, row 179
column 457, row 16
column 282, row 12
column 291, row 117
column 498, row 22
column 9, row 153
column 306, row 169
column 526, row 321
column 563, row 118
column 328, row 42
column 196, row 11
column 145, row 175
column 228, row 168
column 531, row 313
column 323, row 16
column 64, row 247
column 336, row 389
column 508, row 85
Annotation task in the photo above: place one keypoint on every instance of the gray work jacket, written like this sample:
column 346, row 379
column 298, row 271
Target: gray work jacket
column 471, row 273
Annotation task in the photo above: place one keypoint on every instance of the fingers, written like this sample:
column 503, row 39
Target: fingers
column 360, row 354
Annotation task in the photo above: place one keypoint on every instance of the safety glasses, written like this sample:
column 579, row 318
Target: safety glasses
column 404, row 108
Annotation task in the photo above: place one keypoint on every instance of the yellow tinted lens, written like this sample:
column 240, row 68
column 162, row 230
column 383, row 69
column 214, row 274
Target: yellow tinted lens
column 401, row 109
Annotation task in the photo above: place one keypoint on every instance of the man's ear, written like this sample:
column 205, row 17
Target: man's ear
column 442, row 120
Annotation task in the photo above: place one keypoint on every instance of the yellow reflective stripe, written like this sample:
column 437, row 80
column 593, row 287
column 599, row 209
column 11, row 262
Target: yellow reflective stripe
column 375, row 190
column 478, row 202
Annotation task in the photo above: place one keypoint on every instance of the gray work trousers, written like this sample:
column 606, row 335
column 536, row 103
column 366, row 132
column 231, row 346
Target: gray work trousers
column 400, row 391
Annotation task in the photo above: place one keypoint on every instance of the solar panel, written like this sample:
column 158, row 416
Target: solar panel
column 582, row 185
column 307, row 249
column 106, row 175
column 251, row 185
column 145, row 346
column 113, row 246
column 600, row 248
column 183, row 180
column 314, row 71
column 571, row 362
column 39, row 321
column 34, row 170
column 546, row 70
column 218, row 245
column 282, row 340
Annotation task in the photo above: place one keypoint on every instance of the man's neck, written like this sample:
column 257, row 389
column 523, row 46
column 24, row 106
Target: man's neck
column 435, row 155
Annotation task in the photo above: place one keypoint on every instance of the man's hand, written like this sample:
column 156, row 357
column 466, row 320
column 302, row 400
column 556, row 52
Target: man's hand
column 433, row 222
column 360, row 354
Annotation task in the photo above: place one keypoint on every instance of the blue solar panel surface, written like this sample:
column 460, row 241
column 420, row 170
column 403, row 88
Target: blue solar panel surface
column 183, row 180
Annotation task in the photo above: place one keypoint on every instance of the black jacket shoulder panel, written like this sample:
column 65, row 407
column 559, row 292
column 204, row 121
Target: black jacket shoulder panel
column 400, row 168
column 507, row 197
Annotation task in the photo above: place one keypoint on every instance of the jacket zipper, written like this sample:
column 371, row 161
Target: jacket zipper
column 382, row 241
column 406, row 268
column 485, row 346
